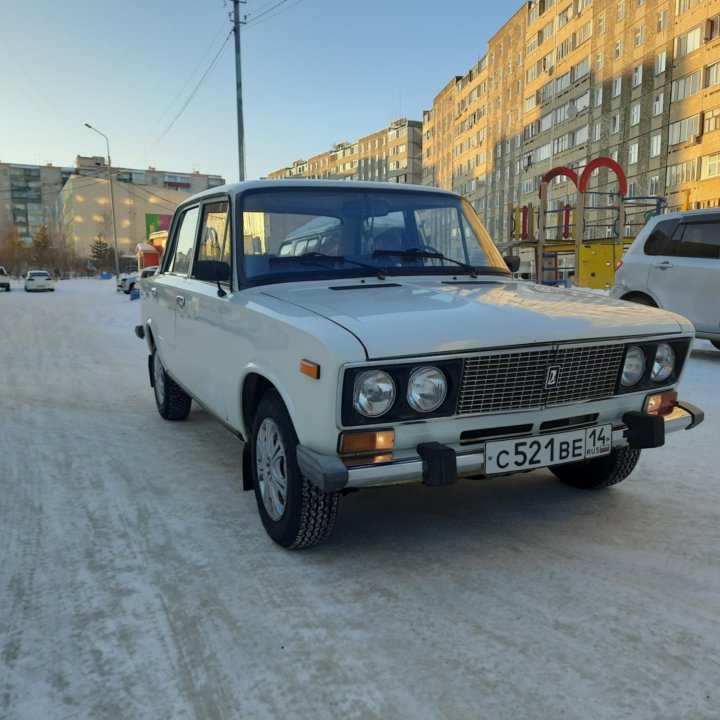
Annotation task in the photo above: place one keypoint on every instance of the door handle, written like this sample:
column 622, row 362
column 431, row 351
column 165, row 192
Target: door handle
column 663, row 265
column 153, row 292
column 180, row 300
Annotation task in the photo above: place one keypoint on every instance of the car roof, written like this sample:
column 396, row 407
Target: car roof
column 708, row 213
column 236, row 189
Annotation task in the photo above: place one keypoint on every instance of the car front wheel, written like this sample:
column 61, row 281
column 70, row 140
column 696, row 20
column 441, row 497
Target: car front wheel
column 600, row 472
column 295, row 513
column 173, row 403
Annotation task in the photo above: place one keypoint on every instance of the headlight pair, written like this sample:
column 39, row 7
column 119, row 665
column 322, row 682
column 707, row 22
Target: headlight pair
column 374, row 391
column 663, row 364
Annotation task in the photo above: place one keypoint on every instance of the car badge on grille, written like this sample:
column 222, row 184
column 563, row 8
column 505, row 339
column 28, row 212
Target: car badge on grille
column 552, row 376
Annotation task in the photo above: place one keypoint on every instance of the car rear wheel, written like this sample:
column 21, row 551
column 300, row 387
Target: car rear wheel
column 295, row 513
column 601, row 472
column 641, row 300
column 173, row 403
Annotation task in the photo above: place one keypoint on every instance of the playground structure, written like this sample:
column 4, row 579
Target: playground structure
column 580, row 244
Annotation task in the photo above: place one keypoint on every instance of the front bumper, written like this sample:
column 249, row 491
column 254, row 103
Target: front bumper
column 434, row 466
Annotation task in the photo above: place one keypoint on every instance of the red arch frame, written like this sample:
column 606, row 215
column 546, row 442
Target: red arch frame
column 603, row 162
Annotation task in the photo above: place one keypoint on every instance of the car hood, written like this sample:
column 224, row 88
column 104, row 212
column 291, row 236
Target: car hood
column 401, row 317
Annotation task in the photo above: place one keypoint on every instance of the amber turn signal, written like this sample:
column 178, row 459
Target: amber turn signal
column 661, row 404
column 365, row 442
column 310, row 369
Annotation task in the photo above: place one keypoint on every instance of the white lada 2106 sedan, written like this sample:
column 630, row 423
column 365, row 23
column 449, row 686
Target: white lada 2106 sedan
column 361, row 334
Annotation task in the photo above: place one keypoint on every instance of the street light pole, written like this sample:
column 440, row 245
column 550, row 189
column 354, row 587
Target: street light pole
column 112, row 199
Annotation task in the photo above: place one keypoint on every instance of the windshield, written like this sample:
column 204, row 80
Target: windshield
column 348, row 233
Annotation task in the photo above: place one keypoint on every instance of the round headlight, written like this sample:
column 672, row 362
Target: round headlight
column 664, row 363
column 427, row 389
column 634, row 366
column 373, row 393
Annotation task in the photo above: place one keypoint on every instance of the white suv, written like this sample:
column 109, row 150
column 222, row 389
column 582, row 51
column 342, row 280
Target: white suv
column 4, row 279
column 674, row 264
column 421, row 360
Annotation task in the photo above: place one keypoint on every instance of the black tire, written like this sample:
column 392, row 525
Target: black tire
column 716, row 343
column 173, row 403
column 641, row 300
column 601, row 472
column 295, row 513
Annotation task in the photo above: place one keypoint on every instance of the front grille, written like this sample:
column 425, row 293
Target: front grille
column 502, row 382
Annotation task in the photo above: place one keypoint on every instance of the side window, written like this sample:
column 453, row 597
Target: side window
column 660, row 241
column 701, row 240
column 185, row 239
column 215, row 233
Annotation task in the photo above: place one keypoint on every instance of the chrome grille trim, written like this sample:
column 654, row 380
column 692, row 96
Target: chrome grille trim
column 515, row 380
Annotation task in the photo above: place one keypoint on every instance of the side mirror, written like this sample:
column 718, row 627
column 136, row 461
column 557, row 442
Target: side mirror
column 214, row 271
column 513, row 262
column 211, row 270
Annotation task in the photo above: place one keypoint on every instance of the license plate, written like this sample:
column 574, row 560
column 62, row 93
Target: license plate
column 503, row 456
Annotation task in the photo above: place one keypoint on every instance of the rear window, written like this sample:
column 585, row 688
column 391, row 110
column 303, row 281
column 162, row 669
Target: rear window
column 660, row 240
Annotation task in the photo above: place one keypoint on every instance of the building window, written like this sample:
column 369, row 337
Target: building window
column 687, row 43
column 639, row 35
column 637, row 75
column 657, row 106
column 597, row 131
column 618, row 49
column 712, row 28
column 655, row 145
column 682, row 6
column 662, row 21
column 615, row 123
column 600, row 61
column 633, row 154
column 617, row 86
column 711, row 120
column 601, row 24
column 621, row 10
column 685, row 86
column 660, row 62
column 680, row 173
column 712, row 74
column 710, row 166
column 635, row 114
column 598, row 97
column 654, row 185
column 681, row 130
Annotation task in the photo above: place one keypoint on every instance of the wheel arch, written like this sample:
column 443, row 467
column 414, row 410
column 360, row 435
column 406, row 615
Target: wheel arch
column 640, row 297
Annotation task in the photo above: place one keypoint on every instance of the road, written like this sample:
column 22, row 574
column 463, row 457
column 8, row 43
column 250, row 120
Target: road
column 137, row 582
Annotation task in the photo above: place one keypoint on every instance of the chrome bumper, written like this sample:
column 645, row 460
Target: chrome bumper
column 329, row 473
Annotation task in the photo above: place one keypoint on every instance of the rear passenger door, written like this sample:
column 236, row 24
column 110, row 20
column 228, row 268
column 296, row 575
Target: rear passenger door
column 687, row 280
column 167, row 288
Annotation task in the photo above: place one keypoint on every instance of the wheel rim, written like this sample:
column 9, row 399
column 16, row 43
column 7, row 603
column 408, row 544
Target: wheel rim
column 159, row 378
column 271, row 465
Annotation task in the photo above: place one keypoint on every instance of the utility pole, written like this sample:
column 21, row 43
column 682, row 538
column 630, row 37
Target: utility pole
column 238, row 84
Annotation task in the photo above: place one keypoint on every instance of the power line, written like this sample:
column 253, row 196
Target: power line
column 193, row 93
column 256, row 20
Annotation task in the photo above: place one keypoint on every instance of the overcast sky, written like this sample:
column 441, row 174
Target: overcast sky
column 315, row 72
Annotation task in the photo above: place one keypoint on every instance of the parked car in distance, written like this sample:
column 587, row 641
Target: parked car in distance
column 38, row 280
column 674, row 264
column 415, row 359
column 131, row 279
column 4, row 279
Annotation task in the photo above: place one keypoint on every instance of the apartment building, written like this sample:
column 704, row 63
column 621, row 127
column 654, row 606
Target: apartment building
column 74, row 202
column 393, row 154
column 564, row 82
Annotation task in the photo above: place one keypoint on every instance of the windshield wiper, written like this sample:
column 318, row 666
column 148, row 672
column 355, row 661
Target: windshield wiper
column 423, row 254
column 317, row 258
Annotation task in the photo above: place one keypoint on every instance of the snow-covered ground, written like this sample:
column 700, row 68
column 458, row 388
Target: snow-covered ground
column 136, row 580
